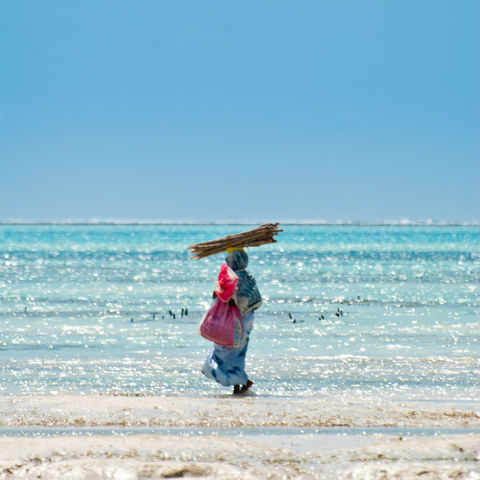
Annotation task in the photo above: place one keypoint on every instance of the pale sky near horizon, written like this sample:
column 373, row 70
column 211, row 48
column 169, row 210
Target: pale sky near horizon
column 248, row 111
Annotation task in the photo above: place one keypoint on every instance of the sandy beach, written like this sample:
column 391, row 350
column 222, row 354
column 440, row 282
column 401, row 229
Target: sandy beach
column 132, row 437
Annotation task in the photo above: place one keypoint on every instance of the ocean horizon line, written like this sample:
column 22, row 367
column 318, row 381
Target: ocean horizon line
column 147, row 222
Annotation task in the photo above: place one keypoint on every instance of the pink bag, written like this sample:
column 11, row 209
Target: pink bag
column 222, row 324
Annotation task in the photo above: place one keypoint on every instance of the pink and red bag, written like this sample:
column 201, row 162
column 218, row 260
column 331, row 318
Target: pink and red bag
column 222, row 324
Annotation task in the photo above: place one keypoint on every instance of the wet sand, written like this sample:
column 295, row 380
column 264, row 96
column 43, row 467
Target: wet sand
column 229, row 411
column 65, row 436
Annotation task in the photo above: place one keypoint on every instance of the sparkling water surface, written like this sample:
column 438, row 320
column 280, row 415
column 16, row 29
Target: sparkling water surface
column 386, row 311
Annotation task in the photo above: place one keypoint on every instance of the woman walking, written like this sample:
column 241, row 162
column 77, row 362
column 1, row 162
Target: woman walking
column 226, row 365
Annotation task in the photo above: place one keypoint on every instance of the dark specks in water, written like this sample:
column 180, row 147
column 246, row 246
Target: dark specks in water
column 155, row 316
column 294, row 320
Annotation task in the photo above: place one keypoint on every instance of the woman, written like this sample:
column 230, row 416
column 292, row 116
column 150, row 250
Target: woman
column 226, row 365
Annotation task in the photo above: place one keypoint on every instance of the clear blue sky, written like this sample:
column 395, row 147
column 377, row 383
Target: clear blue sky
column 255, row 110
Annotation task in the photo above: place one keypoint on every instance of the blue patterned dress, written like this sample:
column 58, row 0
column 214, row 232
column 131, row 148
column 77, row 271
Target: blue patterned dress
column 226, row 365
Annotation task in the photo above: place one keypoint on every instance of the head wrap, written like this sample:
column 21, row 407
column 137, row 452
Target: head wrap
column 237, row 260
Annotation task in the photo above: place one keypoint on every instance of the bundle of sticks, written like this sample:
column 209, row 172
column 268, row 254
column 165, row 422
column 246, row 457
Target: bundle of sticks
column 252, row 238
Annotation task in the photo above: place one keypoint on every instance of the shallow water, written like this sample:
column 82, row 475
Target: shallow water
column 400, row 309
column 238, row 432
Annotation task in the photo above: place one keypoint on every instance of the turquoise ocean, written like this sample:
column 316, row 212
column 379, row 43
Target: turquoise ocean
column 377, row 311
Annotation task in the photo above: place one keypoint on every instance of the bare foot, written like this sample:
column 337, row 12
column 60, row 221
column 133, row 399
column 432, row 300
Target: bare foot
column 246, row 388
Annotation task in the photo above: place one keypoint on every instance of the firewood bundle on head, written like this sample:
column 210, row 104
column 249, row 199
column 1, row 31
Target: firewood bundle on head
column 252, row 238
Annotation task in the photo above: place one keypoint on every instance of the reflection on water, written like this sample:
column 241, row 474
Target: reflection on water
column 390, row 311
